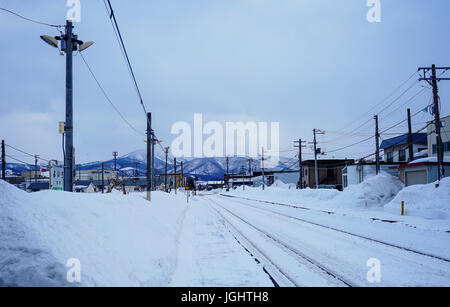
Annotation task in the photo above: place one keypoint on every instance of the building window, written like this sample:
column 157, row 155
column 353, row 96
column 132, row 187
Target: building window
column 402, row 155
column 447, row 146
column 434, row 149
column 390, row 157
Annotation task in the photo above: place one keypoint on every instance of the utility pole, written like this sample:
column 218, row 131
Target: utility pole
column 377, row 144
column 250, row 166
column 228, row 172
column 103, row 178
column 410, row 138
column 3, row 160
column 243, row 174
column 35, row 167
column 316, row 170
column 69, row 43
column 136, row 171
column 262, row 169
column 115, row 154
column 152, row 175
column 68, row 170
column 165, row 169
column 300, row 167
column 437, row 120
column 182, row 174
column 175, row 170
column 149, row 156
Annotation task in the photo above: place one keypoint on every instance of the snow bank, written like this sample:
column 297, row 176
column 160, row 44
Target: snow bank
column 280, row 184
column 425, row 201
column 372, row 193
column 120, row 240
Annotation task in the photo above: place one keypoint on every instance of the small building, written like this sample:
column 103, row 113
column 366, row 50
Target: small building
column 396, row 150
column 329, row 172
column 422, row 171
column 135, row 184
column 357, row 173
column 95, row 174
column 31, row 174
column 237, row 180
column 287, row 177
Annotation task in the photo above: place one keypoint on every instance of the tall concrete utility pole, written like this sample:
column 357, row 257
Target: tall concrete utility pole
column 165, row 169
column 316, row 170
column 136, row 171
column 182, row 174
column 377, row 144
column 115, row 154
column 175, row 171
column 149, row 156
column 152, row 175
column 3, row 160
column 410, row 138
column 35, row 167
column 300, row 167
column 437, row 119
column 69, row 43
column 103, row 178
column 262, row 169
column 68, row 163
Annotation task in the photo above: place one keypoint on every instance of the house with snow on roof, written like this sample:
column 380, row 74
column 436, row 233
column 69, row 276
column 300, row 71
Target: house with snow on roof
column 396, row 150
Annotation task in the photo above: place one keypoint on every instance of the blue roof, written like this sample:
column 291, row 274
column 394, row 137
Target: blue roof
column 418, row 138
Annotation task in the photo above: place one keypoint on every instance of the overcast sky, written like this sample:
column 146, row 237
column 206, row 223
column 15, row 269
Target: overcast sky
column 304, row 63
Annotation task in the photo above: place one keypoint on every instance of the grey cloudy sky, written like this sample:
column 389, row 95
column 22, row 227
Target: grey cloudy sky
column 305, row 63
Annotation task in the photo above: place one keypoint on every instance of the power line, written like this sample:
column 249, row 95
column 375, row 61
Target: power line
column 17, row 160
column 26, row 153
column 31, row 20
column 108, row 99
column 382, row 101
column 115, row 25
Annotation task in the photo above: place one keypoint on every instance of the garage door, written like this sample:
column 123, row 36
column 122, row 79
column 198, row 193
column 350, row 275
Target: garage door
column 416, row 177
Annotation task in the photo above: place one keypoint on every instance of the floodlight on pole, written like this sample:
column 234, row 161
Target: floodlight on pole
column 86, row 45
column 52, row 41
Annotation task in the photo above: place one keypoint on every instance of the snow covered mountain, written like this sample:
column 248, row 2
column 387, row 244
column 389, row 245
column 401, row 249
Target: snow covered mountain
column 203, row 168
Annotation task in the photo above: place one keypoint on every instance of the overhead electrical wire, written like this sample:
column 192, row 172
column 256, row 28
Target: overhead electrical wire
column 108, row 99
column 384, row 100
column 26, row 153
column 119, row 37
column 31, row 20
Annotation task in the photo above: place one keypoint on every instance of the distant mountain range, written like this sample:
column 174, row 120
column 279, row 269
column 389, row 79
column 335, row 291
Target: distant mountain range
column 203, row 168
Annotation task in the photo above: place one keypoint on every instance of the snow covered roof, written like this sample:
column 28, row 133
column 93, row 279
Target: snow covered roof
column 430, row 159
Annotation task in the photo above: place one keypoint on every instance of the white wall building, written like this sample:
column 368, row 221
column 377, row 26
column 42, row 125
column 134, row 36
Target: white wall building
column 445, row 135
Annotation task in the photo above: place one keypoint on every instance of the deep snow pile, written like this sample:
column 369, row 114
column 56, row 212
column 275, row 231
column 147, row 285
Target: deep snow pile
column 379, row 195
column 119, row 239
column 424, row 200
column 373, row 192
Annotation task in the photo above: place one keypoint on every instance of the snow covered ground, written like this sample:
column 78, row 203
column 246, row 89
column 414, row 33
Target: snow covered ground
column 379, row 197
column 119, row 240
column 280, row 236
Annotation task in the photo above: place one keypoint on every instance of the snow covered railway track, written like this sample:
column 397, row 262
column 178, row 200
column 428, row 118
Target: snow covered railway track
column 329, row 276
column 234, row 198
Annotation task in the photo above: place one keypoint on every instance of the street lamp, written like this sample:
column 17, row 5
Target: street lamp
column 69, row 43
